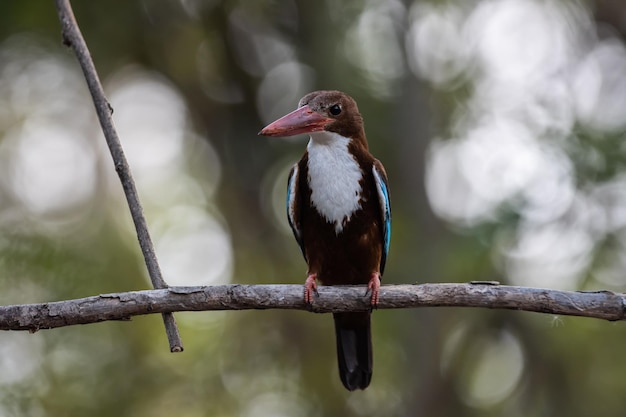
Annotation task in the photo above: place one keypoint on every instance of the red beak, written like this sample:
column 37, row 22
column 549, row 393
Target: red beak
column 302, row 120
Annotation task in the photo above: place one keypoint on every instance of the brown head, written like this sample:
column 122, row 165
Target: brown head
column 330, row 111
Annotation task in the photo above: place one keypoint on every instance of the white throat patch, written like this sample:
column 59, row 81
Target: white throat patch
column 334, row 178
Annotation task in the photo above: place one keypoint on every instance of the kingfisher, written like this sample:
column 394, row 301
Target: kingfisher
column 339, row 211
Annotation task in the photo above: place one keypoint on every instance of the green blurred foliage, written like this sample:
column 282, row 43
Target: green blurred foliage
column 224, row 59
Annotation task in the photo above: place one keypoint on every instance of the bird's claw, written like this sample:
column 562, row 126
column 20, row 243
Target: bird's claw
column 310, row 288
column 373, row 288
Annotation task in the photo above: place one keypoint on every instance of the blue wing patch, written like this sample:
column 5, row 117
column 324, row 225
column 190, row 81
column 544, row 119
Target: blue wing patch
column 292, row 210
column 385, row 208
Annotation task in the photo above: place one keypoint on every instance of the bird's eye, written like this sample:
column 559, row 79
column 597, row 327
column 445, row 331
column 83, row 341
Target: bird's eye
column 335, row 109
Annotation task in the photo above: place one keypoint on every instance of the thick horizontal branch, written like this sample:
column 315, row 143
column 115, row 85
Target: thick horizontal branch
column 121, row 306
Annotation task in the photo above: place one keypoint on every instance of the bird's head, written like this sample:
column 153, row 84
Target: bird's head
column 321, row 111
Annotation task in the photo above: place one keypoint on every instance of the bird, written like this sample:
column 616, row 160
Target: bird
column 339, row 210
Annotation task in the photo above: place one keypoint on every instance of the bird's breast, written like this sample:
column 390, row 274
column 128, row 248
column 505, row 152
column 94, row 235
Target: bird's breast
column 335, row 179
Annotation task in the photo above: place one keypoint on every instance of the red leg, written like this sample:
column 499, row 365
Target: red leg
column 373, row 286
column 310, row 287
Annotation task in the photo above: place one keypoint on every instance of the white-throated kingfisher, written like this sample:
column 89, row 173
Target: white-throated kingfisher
column 338, row 208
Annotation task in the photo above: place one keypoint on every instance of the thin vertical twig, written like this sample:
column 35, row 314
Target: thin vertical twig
column 73, row 38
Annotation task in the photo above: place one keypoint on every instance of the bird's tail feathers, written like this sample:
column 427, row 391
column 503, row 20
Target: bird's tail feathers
column 354, row 349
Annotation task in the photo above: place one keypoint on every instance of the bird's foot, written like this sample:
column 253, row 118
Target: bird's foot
column 373, row 288
column 310, row 288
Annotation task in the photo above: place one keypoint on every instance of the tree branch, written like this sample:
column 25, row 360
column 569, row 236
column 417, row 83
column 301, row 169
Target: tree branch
column 73, row 38
column 121, row 306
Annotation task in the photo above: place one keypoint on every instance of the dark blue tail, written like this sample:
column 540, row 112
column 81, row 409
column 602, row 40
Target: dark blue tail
column 354, row 349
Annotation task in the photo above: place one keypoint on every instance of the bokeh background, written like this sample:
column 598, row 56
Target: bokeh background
column 502, row 128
